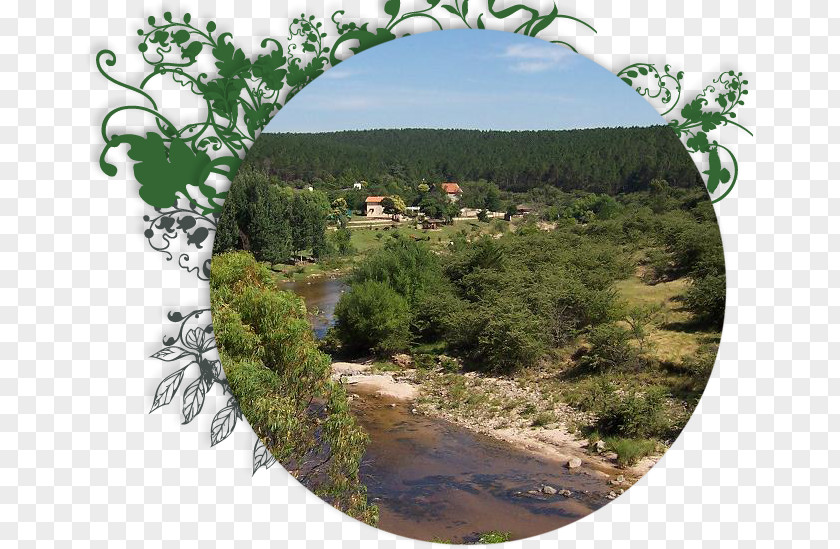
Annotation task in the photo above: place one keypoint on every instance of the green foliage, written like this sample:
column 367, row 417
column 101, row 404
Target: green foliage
column 494, row 536
column 270, row 221
column 282, row 382
column 483, row 195
column 340, row 241
column 409, row 267
column 706, row 298
column 569, row 159
column 630, row 450
column 634, row 414
column 372, row 316
column 610, row 348
column 393, row 205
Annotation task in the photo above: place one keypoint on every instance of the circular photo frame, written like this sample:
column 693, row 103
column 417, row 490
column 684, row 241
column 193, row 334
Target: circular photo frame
column 431, row 343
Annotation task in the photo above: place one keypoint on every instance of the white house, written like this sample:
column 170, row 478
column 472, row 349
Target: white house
column 373, row 207
column 452, row 190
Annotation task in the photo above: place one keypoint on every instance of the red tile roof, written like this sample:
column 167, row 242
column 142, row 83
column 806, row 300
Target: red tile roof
column 374, row 199
column 450, row 188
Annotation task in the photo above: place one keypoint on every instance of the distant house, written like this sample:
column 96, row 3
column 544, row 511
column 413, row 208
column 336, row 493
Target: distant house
column 524, row 209
column 373, row 206
column 452, row 190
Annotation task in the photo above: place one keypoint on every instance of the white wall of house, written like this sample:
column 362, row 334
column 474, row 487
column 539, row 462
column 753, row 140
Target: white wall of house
column 374, row 209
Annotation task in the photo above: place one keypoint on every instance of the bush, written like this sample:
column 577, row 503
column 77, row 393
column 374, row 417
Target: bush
column 407, row 266
column 610, row 348
column 634, row 414
column 630, row 450
column 499, row 336
column 371, row 316
column 706, row 298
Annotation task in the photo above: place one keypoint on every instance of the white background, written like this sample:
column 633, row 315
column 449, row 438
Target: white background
column 83, row 299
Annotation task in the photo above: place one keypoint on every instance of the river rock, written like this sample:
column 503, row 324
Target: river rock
column 617, row 480
column 549, row 490
column 612, row 495
column 599, row 446
column 566, row 493
column 574, row 463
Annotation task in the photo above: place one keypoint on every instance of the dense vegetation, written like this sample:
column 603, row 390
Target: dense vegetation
column 503, row 303
column 538, row 294
column 603, row 160
column 272, row 221
column 282, row 382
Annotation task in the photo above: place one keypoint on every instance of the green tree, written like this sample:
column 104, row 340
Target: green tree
column 282, row 383
column 372, row 317
column 393, row 205
column 308, row 220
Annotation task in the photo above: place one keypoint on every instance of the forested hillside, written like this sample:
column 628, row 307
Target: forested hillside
column 602, row 160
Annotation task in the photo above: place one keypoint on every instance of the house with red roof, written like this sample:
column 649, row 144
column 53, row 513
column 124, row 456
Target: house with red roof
column 452, row 190
column 373, row 206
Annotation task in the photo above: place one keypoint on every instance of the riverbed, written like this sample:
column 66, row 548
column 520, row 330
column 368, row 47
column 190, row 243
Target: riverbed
column 433, row 479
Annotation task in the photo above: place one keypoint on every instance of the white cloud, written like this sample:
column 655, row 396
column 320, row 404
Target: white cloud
column 538, row 57
column 338, row 73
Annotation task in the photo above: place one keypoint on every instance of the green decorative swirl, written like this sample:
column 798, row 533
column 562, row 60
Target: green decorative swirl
column 711, row 109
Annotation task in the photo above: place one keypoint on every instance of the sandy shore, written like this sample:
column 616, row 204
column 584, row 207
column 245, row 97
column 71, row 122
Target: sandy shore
column 358, row 377
column 557, row 443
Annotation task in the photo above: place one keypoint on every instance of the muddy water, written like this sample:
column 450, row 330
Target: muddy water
column 433, row 479
column 321, row 296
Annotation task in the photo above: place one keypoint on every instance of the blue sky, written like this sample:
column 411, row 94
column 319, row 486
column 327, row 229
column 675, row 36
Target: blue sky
column 469, row 79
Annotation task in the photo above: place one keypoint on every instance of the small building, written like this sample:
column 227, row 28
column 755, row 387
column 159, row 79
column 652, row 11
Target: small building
column 357, row 185
column 412, row 211
column 452, row 190
column 430, row 223
column 373, row 206
column 524, row 209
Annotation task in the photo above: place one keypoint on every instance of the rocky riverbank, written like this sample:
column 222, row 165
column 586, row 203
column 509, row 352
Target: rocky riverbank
column 485, row 404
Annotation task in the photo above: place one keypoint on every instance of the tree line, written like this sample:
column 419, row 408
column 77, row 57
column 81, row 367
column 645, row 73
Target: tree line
column 601, row 160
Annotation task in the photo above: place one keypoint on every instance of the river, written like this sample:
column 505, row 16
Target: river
column 321, row 296
column 432, row 479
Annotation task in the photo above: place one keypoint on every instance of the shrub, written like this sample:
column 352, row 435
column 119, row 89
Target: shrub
column 449, row 365
column 498, row 336
column 424, row 361
column 610, row 348
column 542, row 419
column 706, row 298
column 494, row 536
column 634, row 414
column 630, row 450
column 371, row 316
